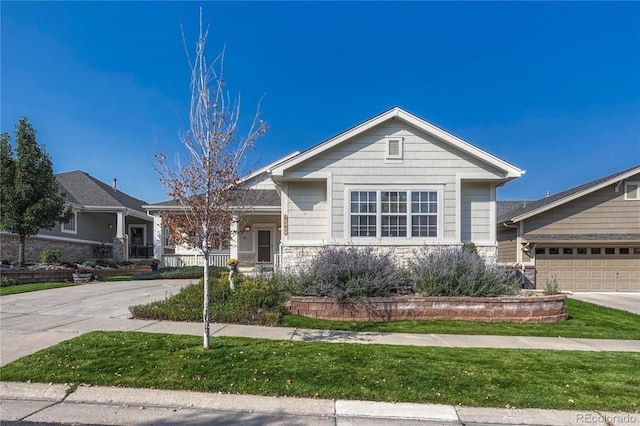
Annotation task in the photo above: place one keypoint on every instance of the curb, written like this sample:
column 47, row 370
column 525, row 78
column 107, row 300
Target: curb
column 52, row 396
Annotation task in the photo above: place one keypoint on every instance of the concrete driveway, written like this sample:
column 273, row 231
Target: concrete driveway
column 626, row 301
column 36, row 320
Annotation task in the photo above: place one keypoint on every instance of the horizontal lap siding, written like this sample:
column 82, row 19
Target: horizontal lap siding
column 475, row 217
column 427, row 161
column 507, row 245
column 307, row 210
column 602, row 212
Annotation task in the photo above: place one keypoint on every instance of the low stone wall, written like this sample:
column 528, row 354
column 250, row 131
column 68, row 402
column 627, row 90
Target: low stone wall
column 70, row 251
column 529, row 309
column 24, row 276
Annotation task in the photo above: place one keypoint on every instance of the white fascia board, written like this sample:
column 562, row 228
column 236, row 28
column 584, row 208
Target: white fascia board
column 126, row 211
column 511, row 171
column 151, row 207
column 576, row 195
column 268, row 168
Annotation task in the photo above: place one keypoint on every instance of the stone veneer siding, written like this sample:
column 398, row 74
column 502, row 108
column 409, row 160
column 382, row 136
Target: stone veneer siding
column 293, row 256
column 70, row 251
column 533, row 309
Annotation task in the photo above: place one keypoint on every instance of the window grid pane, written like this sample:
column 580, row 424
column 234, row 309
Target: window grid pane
column 71, row 224
column 394, row 226
column 424, row 209
column 363, row 214
column 424, row 226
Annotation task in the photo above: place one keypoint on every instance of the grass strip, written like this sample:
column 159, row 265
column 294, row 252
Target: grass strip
column 586, row 320
column 459, row 376
column 25, row 288
column 115, row 278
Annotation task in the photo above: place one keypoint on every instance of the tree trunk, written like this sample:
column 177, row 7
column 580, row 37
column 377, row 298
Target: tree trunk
column 23, row 240
column 205, row 309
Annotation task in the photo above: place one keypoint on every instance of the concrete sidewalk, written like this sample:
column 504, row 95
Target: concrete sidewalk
column 23, row 335
column 50, row 403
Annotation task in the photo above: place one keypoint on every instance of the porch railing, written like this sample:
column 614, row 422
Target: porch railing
column 181, row 260
column 138, row 251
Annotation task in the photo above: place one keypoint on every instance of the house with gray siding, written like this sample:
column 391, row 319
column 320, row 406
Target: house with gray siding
column 106, row 223
column 587, row 237
column 394, row 182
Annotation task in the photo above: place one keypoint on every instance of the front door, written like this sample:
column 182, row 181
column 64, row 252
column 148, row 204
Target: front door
column 264, row 246
column 137, row 235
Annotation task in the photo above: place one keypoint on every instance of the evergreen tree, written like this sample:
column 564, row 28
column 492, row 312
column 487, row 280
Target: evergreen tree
column 29, row 196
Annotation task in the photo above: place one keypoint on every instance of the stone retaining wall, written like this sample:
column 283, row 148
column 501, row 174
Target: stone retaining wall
column 24, row 276
column 530, row 309
column 70, row 251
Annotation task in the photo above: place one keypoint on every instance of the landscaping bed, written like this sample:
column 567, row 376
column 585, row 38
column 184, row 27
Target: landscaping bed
column 525, row 309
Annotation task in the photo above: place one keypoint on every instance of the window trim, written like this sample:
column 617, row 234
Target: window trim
column 74, row 220
column 409, row 189
column 637, row 191
column 166, row 241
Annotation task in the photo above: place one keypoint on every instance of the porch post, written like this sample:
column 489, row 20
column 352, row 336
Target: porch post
column 233, row 242
column 158, row 236
column 121, row 240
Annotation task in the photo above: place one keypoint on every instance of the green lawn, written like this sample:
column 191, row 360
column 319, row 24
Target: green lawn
column 471, row 377
column 24, row 288
column 586, row 320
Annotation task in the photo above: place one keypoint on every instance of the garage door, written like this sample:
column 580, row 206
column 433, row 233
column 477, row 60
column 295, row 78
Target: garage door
column 589, row 268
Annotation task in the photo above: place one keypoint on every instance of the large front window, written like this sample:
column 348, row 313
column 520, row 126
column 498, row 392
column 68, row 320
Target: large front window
column 388, row 213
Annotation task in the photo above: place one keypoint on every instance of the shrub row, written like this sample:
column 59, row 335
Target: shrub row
column 355, row 273
column 255, row 301
column 177, row 273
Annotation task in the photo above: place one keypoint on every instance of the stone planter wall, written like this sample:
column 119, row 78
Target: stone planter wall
column 530, row 309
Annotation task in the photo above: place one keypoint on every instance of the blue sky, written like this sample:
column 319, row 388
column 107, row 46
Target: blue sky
column 553, row 88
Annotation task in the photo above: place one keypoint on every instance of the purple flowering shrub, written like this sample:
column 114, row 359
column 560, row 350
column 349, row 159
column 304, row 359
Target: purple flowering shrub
column 456, row 271
column 350, row 273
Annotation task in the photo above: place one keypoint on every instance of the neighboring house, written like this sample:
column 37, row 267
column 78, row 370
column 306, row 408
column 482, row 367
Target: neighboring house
column 106, row 223
column 394, row 181
column 587, row 237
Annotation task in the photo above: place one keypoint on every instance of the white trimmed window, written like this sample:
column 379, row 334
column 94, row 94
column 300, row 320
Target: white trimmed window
column 71, row 226
column 166, row 239
column 632, row 190
column 385, row 213
column 394, row 149
column 424, row 214
column 364, row 209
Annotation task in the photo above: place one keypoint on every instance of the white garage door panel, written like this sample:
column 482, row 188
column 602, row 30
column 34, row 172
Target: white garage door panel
column 618, row 272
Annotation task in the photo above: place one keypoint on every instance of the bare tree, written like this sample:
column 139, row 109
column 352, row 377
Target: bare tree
column 206, row 184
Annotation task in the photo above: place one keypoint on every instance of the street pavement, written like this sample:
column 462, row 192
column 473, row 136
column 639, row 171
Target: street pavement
column 33, row 321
